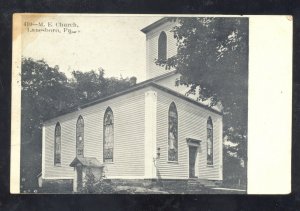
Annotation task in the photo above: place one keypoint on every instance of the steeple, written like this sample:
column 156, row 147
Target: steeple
column 160, row 44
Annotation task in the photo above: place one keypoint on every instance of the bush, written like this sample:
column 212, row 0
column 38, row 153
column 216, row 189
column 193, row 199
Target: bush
column 92, row 185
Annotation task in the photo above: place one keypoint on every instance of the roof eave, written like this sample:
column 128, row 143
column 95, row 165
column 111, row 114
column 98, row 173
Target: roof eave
column 137, row 87
column 186, row 98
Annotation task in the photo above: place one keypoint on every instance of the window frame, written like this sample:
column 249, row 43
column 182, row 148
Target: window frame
column 209, row 137
column 56, row 135
column 108, row 111
column 80, row 120
column 174, row 107
column 162, row 46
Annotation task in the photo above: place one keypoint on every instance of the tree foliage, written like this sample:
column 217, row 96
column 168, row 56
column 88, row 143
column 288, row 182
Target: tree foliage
column 45, row 92
column 92, row 85
column 93, row 185
column 213, row 55
column 233, row 169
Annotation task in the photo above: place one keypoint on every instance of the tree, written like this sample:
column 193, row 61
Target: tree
column 213, row 55
column 89, row 86
column 234, row 169
column 44, row 92
column 92, row 85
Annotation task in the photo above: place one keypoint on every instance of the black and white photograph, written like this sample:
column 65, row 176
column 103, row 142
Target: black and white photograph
column 133, row 104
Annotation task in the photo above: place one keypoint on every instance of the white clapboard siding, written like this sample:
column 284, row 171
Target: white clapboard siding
column 154, row 70
column 192, row 121
column 67, row 146
column 129, row 114
column 129, row 129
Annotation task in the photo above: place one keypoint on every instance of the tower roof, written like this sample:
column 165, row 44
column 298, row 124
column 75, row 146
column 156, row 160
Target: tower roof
column 154, row 25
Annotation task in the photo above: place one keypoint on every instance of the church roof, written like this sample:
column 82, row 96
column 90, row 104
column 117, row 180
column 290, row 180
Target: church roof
column 150, row 82
column 86, row 161
column 177, row 94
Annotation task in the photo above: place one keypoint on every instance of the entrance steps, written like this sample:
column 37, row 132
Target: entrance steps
column 193, row 183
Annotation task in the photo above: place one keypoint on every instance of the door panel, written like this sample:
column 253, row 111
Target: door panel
column 192, row 161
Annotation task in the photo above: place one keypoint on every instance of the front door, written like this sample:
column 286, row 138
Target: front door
column 192, row 160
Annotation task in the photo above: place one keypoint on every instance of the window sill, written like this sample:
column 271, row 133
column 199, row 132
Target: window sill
column 174, row 162
column 108, row 162
column 57, row 165
column 210, row 166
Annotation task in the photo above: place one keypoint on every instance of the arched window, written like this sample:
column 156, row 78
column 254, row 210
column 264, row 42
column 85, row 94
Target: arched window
column 162, row 46
column 108, row 135
column 57, row 144
column 79, row 137
column 173, row 133
column 210, row 142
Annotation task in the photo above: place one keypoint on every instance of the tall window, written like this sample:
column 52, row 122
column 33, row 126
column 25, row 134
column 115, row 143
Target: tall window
column 108, row 135
column 173, row 133
column 79, row 137
column 57, row 145
column 162, row 46
column 210, row 142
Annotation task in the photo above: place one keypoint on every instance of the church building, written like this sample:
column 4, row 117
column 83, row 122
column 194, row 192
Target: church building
column 151, row 131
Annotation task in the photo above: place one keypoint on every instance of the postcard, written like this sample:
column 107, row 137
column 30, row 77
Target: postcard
column 151, row 104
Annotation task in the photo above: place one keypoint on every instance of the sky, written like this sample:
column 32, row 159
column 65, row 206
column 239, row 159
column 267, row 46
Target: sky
column 114, row 43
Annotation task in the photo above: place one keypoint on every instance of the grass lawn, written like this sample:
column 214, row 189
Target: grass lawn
column 161, row 190
column 173, row 188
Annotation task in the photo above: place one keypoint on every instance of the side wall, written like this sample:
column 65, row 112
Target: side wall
column 192, row 121
column 129, row 115
column 153, row 70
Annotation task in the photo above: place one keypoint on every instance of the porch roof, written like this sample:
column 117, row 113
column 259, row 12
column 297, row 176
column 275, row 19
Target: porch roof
column 86, row 161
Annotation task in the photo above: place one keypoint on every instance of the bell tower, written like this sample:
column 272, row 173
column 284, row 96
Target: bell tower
column 160, row 44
